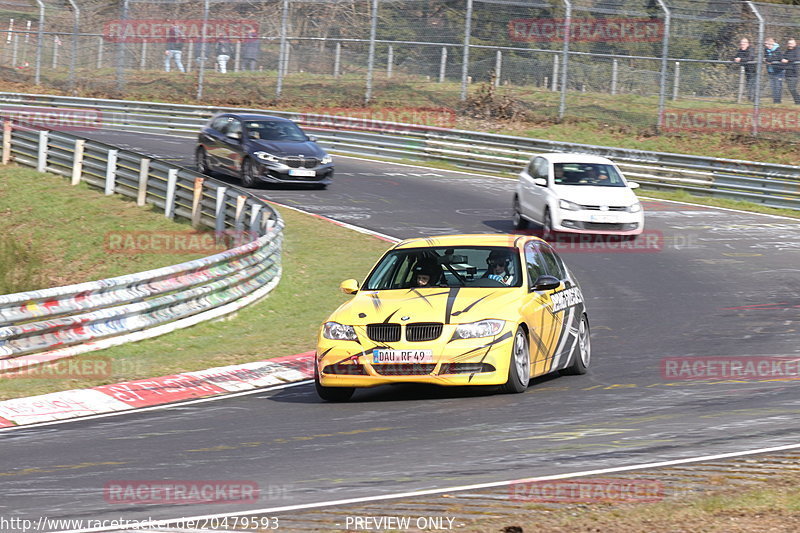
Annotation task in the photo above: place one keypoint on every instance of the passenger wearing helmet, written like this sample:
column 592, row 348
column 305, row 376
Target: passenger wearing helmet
column 499, row 264
column 426, row 274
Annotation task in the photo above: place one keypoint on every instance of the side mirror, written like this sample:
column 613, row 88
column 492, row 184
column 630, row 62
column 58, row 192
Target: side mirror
column 541, row 182
column 349, row 286
column 546, row 283
column 312, row 138
column 633, row 185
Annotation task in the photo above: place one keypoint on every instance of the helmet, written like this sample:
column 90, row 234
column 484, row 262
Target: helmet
column 499, row 257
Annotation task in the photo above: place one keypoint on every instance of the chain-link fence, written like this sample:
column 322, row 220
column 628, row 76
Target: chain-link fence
column 666, row 64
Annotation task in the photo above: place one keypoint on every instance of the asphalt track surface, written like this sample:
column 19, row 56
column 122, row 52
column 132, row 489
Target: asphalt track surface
column 722, row 284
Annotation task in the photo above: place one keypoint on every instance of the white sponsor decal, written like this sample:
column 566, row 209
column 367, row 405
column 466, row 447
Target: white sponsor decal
column 566, row 298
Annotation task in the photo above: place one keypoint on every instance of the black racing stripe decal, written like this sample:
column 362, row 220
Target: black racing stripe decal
column 473, row 304
column 420, row 295
column 388, row 318
column 539, row 342
column 499, row 339
column 451, row 300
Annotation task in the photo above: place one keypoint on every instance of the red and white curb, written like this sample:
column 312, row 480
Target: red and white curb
column 162, row 390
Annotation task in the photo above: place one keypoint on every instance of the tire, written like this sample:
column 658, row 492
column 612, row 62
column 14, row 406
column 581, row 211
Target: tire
column 547, row 226
column 519, row 367
column 520, row 222
column 584, row 355
column 248, row 174
column 201, row 161
column 331, row 394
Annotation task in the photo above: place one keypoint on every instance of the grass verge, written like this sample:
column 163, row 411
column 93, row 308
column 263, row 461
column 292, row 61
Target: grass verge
column 316, row 257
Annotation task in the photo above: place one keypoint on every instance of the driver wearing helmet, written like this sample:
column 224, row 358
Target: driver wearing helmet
column 499, row 264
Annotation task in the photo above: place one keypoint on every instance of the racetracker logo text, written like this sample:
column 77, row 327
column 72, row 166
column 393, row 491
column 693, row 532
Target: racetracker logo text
column 624, row 30
column 733, row 120
column 57, row 118
column 649, row 241
column 738, row 368
column 175, row 242
column 155, row 30
column 385, row 120
column 180, row 492
column 85, row 367
column 608, row 490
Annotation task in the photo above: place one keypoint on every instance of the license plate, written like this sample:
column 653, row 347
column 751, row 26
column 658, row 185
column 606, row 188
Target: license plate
column 302, row 172
column 401, row 356
column 603, row 218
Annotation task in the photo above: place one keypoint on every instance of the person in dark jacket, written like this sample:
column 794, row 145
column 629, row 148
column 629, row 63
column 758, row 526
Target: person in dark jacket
column 174, row 49
column 251, row 50
column 747, row 60
column 790, row 61
column 224, row 53
column 772, row 57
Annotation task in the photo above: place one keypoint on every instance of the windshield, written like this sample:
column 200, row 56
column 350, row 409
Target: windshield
column 274, row 130
column 594, row 174
column 479, row 266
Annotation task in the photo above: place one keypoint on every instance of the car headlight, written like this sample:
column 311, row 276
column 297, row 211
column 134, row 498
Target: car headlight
column 327, row 159
column 266, row 156
column 482, row 328
column 338, row 332
column 635, row 208
column 569, row 206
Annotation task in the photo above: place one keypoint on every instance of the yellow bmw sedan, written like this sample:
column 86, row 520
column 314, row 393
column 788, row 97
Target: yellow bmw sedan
column 494, row 310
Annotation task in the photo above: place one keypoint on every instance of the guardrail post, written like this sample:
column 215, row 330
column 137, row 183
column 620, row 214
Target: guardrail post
column 197, row 197
column 111, row 171
column 240, row 205
column 172, row 183
column 443, row 64
column 144, row 171
column 6, row 141
column 41, row 162
column 77, row 162
column 255, row 217
column 740, row 95
column 219, row 209
column 390, row 62
column 498, row 65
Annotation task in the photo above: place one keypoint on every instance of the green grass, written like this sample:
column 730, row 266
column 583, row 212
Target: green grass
column 67, row 225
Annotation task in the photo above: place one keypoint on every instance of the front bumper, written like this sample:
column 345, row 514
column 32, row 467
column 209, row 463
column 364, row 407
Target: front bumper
column 481, row 361
column 270, row 172
column 599, row 222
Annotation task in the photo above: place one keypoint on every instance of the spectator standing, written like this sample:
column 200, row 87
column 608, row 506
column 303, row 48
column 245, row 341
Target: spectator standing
column 772, row 57
column 789, row 60
column 174, row 51
column 747, row 60
column 251, row 50
column 224, row 51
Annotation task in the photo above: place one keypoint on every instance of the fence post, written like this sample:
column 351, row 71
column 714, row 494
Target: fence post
column 373, row 30
column 143, row 60
column 614, row 75
column 6, row 141
column 189, row 57
column 389, row 62
column 41, row 161
column 144, row 171
column 282, row 50
column 197, row 197
column 498, row 65
column 554, row 81
column 237, row 57
column 111, row 171
column 55, row 52
column 562, row 105
column 676, row 83
column 99, row 52
column 662, row 91
column 219, row 209
column 77, row 162
column 759, row 61
column 172, row 183
column 337, row 60
column 15, row 50
column 740, row 94
column 443, row 64
column 465, row 53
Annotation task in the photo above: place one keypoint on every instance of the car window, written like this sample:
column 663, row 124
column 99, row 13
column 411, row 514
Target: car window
column 552, row 263
column 233, row 129
column 594, row 174
column 219, row 123
column 534, row 263
column 275, row 130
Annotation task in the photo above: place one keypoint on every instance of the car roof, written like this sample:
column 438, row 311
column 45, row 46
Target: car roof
column 470, row 239
column 253, row 116
column 566, row 157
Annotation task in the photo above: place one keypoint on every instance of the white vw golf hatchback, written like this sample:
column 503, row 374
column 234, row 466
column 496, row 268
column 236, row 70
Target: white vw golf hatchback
column 574, row 193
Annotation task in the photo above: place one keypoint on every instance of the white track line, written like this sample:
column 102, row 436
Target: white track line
column 460, row 488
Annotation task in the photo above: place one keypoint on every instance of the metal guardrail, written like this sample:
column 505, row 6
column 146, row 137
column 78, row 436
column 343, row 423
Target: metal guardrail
column 769, row 184
column 63, row 321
